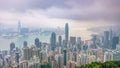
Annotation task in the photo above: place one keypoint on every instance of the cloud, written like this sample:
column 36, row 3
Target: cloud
column 81, row 10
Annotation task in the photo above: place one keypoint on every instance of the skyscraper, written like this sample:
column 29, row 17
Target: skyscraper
column 60, row 40
column 19, row 26
column 17, row 57
column 12, row 46
column 66, row 34
column 65, row 56
column 115, row 41
column 37, row 43
column 106, row 39
column 53, row 41
column 25, row 44
column 111, row 36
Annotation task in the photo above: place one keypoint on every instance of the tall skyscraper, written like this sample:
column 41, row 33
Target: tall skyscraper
column 111, row 36
column 65, row 56
column 53, row 41
column 115, row 41
column 19, row 26
column 106, row 39
column 60, row 40
column 66, row 34
column 12, row 46
column 25, row 44
column 37, row 43
column 17, row 57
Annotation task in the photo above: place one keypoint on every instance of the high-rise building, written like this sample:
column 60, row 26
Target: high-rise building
column 106, row 39
column 37, row 43
column 60, row 40
column 111, row 36
column 12, row 46
column 66, row 34
column 65, row 56
column 53, row 41
column 25, row 44
column 73, row 40
column 79, row 43
column 115, row 41
column 17, row 57
column 19, row 27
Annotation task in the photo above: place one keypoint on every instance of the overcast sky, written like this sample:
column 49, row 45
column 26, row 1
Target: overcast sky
column 53, row 13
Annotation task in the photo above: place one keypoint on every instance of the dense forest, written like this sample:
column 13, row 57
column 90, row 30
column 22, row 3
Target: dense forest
column 108, row 64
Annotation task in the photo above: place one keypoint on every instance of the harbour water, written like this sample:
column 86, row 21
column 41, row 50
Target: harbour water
column 44, row 37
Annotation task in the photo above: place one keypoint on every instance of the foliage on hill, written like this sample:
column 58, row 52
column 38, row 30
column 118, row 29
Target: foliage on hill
column 108, row 64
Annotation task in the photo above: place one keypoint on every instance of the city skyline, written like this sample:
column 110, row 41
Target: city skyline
column 59, row 33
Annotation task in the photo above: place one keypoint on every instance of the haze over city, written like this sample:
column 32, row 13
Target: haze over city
column 59, row 33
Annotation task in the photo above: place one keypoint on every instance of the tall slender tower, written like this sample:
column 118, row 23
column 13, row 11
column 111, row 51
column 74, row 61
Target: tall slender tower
column 53, row 41
column 66, row 33
column 19, row 26
column 60, row 40
column 111, row 36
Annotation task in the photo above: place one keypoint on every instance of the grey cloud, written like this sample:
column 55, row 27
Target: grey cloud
column 107, row 10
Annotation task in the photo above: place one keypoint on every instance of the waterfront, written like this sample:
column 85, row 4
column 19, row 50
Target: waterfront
column 44, row 37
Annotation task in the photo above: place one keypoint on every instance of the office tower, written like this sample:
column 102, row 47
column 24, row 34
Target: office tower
column 25, row 44
column 60, row 41
column 70, row 64
column 108, row 56
column 66, row 34
column 94, row 40
column 19, row 27
column 65, row 56
column 53, row 41
column 115, row 41
column 111, row 37
column 17, row 57
column 79, row 43
column 73, row 40
column 23, row 64
column 106, row 39
column 12, row 46
column 37, row 43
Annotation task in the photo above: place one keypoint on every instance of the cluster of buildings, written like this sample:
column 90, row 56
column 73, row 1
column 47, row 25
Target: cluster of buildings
column 61, row 53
